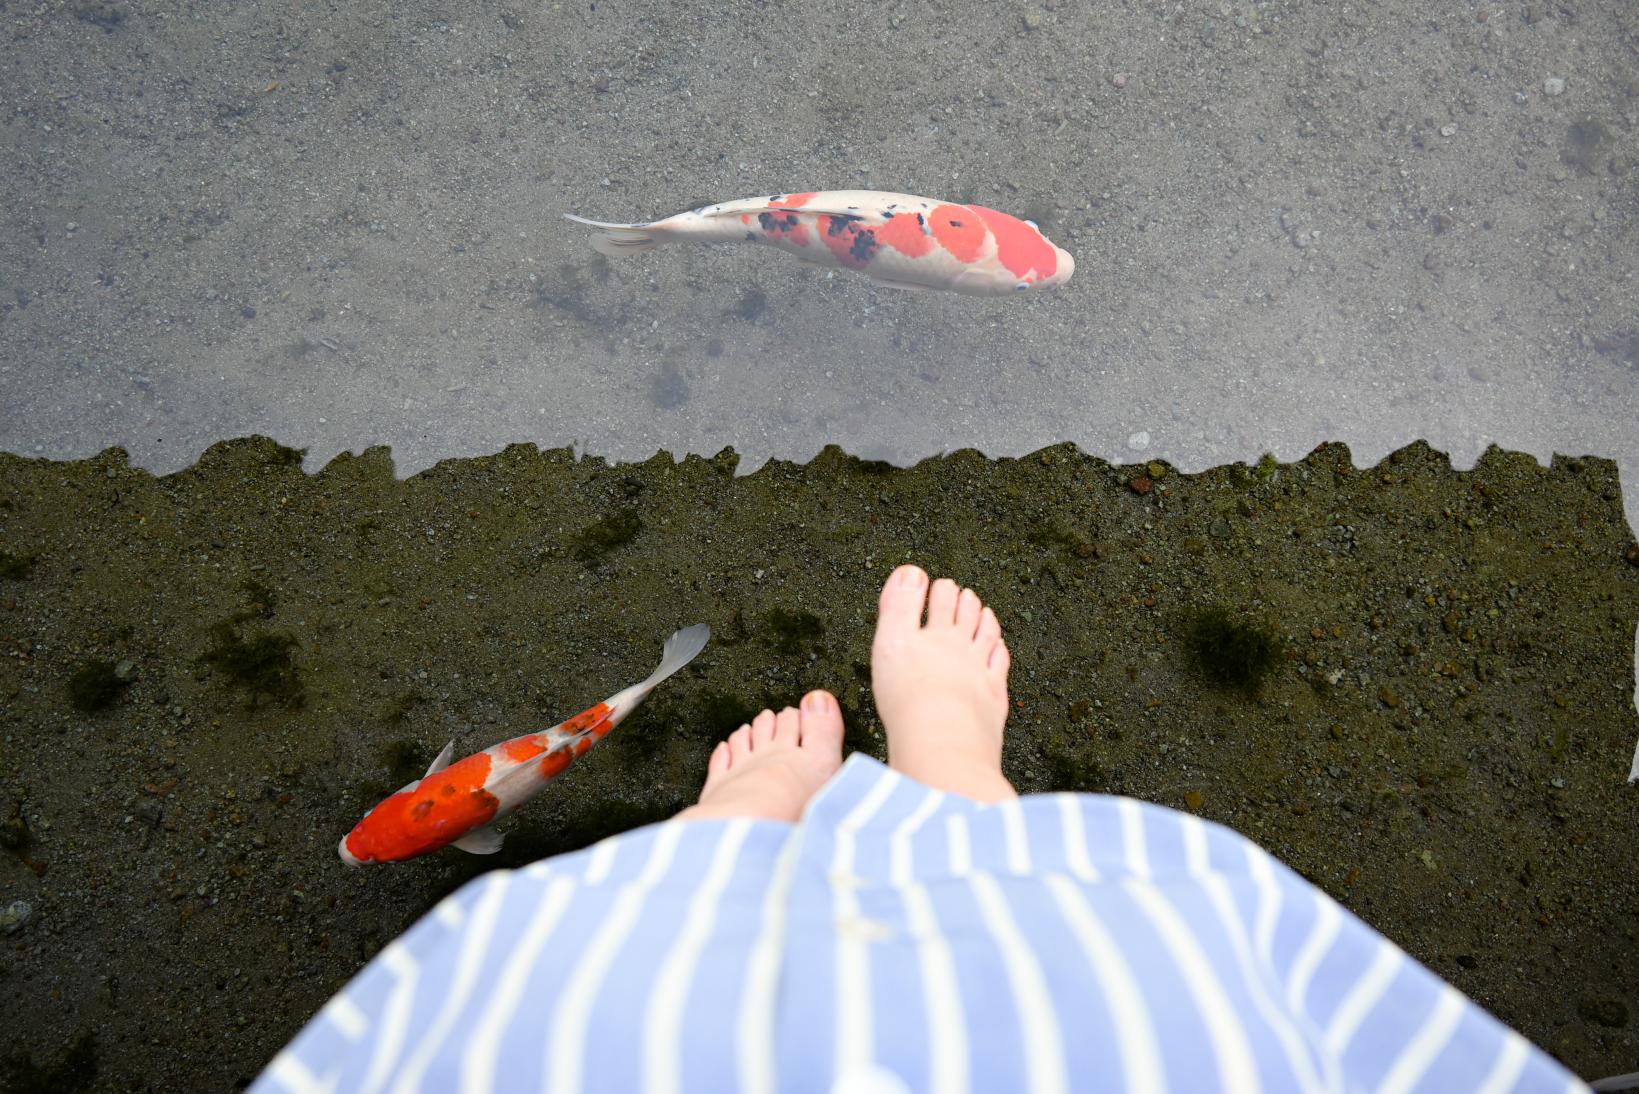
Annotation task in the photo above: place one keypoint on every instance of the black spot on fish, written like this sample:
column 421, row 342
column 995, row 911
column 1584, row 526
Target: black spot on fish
column 776, row 197
column 766, row 220
column 751, row 237
column 955, row 224
column 919, row 219
column 864, row 247
column 838, row 223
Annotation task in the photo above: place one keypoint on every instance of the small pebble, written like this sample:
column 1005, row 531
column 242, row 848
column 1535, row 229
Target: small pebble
column 15, row 916
column 1119, row 80
column 1448, row 131
column 247, row 312
column 1553, row 85
column 1139, row 441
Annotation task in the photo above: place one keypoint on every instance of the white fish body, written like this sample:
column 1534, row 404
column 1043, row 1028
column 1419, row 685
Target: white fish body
column 899, row 240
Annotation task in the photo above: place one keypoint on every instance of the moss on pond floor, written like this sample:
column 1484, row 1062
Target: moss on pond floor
column 1439, row 740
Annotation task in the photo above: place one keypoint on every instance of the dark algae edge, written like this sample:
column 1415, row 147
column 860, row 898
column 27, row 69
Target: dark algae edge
column 1413, row 685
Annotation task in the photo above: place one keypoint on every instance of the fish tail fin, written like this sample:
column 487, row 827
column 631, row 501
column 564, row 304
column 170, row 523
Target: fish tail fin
column 619, row 240
column 681, row 648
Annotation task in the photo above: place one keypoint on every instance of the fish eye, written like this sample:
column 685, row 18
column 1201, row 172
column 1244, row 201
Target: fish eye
column 1021, row 286
column 1033, row 225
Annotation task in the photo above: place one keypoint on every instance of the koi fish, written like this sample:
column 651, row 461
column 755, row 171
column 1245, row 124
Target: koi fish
column 899, row 240
column 459, row 803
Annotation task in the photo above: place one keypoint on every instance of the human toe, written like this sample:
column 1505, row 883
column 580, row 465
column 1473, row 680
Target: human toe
column 968, row 611
column 942, row 599
column 990, row 628
column 762, row 730
column 786, row 727
column 821, row 722
column 903, row 596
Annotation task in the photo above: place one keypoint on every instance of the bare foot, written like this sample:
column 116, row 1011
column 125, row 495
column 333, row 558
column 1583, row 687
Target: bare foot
column 941, row 689
column 770, row 768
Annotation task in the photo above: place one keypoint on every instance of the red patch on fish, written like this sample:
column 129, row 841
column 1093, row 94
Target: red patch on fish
column 793, row 201
column 520, row 749
column 1019, row 247
column 904, row 233
column 959, row 230
column 586, row 719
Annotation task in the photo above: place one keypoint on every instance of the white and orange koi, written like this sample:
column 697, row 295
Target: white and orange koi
column 459, row 803
column 899, row 240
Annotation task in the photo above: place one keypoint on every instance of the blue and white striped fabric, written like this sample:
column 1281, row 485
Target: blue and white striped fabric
column 903, row 939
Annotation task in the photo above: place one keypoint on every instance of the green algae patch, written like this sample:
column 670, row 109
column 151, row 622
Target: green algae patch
column 794, row 632
column 71, row 1072
column 94, row 686
column 261, row 664
column 15, row 567
column 1232, row 652
column 600, row 537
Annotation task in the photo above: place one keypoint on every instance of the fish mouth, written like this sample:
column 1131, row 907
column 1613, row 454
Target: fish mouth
column 346, row 855
column 1067, row 267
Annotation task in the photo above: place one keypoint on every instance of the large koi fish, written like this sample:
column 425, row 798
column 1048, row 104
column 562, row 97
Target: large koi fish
column 899, row 240
column 459, row 803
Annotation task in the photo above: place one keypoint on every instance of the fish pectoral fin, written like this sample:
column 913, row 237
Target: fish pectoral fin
column 906, row 285
column 442, row 760
column 481, row 841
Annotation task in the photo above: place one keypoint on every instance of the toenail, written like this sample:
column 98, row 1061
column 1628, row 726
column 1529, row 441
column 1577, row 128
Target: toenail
column 816, row 702
column 911, row 575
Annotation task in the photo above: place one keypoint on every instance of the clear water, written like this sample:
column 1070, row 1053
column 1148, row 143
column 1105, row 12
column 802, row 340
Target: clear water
column 1293, row 223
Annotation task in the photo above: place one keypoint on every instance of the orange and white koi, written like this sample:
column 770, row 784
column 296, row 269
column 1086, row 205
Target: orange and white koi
column 459, row 803
column 899, row 240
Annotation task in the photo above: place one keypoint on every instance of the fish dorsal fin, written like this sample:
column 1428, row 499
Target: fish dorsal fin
column 442, row 760
column 481, row 841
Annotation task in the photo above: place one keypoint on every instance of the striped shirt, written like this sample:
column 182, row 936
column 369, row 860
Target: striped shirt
column 901, row 939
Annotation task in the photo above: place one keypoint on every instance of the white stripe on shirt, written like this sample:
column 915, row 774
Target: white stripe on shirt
column 948, row 1044
column 1013, row 832
column 754, row 1026
column 1367, row 990
column 663, row 1019
column 899, row 844
column 1038, row 1017
column 469, row 961
column 567, row 1041
column 1076, row 858
column 1516, row 1052
column 1322, row 932
column 481, row 1061
column 854, row 1016
column 395, row 1021
column 1134, row 1033
column 1276, row 1020
column 1424, row 1048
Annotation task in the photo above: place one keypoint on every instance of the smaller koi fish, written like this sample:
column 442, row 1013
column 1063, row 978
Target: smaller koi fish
column 898, row 240
column 459, row 803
